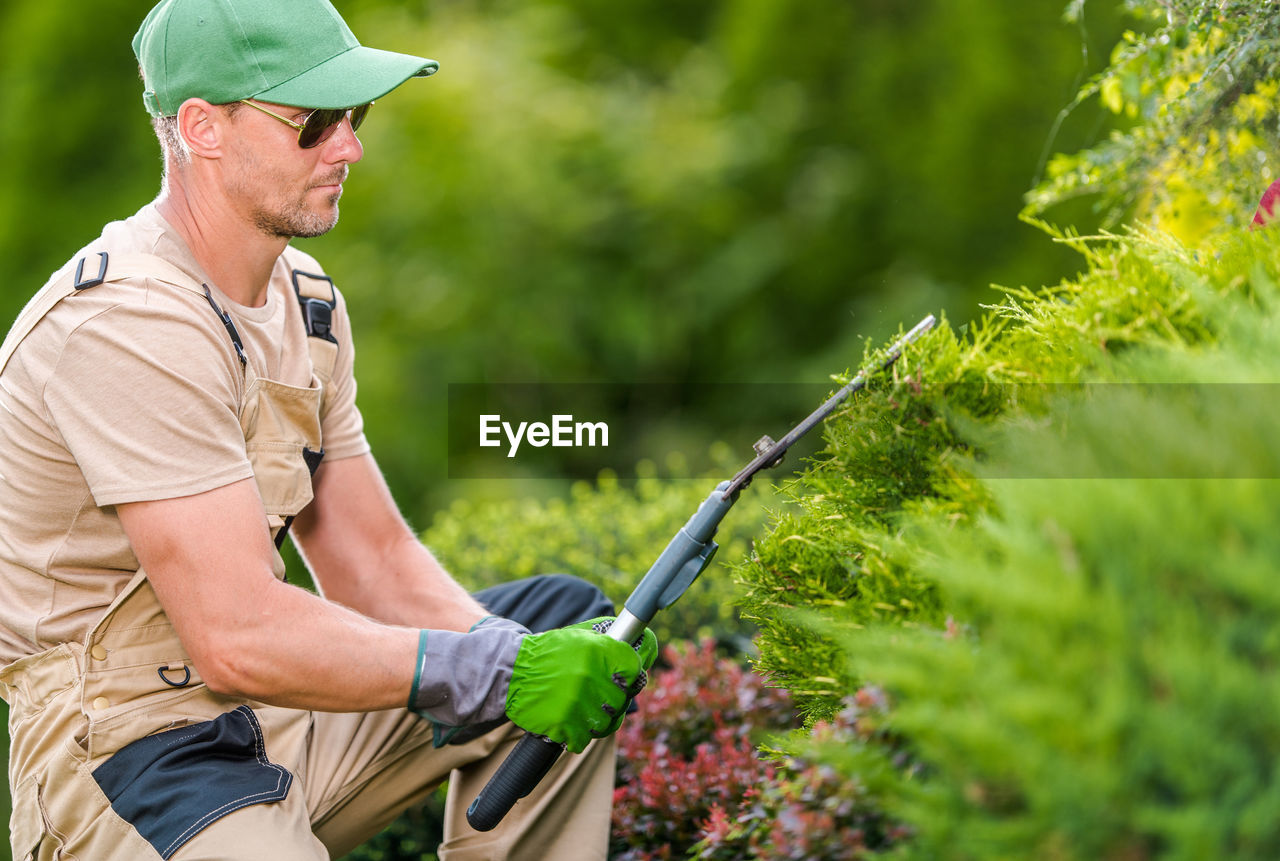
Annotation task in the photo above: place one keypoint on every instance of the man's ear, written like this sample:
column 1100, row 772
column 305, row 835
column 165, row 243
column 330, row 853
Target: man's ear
column 202, row 127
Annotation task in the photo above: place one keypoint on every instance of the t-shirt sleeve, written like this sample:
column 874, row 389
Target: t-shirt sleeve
column 341, row 424
column 146, row 399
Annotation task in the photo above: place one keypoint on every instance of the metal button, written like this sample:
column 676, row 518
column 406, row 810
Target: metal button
column 98, row 652
column 100, row 703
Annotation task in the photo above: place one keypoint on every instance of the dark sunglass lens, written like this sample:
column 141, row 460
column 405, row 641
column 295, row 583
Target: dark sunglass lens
column 319, row 127
column 322, row 123
column 358, row 114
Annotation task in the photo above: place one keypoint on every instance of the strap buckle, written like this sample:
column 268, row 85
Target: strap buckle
column 83, row 283
column 316, row 299
column 317, row 316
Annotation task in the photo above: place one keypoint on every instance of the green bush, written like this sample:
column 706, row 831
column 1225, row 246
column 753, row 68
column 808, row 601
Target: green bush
column 1197, row 84
column 1064, row 586
column 1107, row 689
column 904, row 447
column 1058, row 528
column 1197, row 88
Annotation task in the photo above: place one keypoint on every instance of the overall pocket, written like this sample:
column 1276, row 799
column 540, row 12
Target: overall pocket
column 281, row 425
column 172, row 785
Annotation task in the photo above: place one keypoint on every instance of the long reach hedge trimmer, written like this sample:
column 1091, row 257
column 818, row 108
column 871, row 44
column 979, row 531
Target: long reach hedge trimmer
column 685, row 557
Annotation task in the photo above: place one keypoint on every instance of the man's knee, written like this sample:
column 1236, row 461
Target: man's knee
column 546, row 601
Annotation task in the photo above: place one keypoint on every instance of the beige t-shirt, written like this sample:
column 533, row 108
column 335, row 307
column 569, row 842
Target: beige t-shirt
column 131, row 391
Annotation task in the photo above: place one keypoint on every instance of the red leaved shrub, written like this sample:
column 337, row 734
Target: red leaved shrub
column 689, row 751
column 692, row 783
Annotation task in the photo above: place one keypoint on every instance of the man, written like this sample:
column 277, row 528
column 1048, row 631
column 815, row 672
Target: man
column 177, row 398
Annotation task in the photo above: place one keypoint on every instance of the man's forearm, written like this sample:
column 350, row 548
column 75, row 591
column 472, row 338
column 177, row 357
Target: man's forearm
column 248, row 634
column 365, row 556
column 324, row 658
column 406, row 586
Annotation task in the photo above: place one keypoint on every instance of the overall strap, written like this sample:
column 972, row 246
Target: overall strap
column 317, row 300
column 89, row 271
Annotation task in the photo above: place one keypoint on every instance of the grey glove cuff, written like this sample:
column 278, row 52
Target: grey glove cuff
column 462, row 678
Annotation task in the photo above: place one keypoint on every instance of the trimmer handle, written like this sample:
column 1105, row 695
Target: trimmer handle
column 532, row 757
column 519, row 773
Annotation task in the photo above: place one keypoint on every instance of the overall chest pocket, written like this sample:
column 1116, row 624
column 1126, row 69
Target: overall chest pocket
column 281, row 426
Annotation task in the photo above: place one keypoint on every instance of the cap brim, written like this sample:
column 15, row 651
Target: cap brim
column 354, row 77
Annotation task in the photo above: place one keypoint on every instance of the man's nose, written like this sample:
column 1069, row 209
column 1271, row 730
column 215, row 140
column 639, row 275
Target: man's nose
column 343, row 145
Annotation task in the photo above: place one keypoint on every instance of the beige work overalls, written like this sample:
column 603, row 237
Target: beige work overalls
column 112, row 738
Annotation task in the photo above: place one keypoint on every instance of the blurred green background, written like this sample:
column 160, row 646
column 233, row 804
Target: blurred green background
column 680, row 194
column 675, row 193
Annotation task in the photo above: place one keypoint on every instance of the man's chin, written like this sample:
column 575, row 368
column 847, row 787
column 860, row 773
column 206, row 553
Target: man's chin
column 299, row 225
column 310, row 233
column 320, row 226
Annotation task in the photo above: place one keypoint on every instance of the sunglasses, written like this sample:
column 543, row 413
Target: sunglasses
column 320, row 124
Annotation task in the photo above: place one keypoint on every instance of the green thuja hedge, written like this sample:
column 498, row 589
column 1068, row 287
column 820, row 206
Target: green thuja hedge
column 1057, row 540
column 1057, row 528
column 904, row 445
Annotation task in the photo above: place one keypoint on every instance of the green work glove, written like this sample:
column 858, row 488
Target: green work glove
column 572, row 684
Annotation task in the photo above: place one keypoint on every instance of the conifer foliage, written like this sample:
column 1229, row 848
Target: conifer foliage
column 1075, row 621
column 1050, row 539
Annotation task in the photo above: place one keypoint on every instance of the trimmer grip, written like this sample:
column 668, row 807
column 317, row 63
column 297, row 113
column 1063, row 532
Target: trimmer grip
column 519, row 773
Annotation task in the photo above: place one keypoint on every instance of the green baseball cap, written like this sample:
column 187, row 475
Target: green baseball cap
column 290, row 52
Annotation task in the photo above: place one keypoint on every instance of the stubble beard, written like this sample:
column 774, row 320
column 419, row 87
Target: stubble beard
column 296, row 219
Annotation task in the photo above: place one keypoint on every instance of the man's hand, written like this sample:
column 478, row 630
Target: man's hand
column 573, row 684
column 570, row 685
